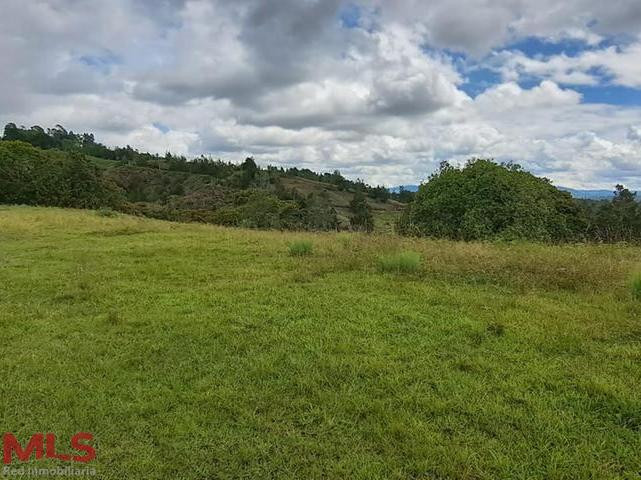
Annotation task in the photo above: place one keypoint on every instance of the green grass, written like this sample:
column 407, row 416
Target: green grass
column 636, row 287
column 403, row 262
column 193, row 351
column 299, row 248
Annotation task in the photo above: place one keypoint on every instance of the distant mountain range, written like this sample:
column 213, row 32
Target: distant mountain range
column 582, row 194
column 589, row 194
column 411, row 188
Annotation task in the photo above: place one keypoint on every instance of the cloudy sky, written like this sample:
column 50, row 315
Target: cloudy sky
column 383, row 90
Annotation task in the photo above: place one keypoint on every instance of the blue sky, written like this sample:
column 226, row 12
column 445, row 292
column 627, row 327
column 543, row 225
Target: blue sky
column 479, row 76
column 379, row 90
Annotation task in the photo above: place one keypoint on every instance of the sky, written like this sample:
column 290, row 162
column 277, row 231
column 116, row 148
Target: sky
column 382, row 90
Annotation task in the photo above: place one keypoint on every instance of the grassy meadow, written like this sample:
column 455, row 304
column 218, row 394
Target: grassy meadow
column 202, row 352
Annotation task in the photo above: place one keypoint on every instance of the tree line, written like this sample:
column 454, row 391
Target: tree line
column 482, row 200
column 59, row 168
column 84, row 143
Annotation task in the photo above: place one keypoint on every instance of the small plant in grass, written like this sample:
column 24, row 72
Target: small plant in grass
column 113, row 318
column 636, row 287
column 300, row 248
column 497, row 329
column 106, row 212
column 404, row 262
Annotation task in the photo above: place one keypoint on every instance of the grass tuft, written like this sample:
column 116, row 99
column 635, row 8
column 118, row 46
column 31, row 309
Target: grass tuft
column 404, row 262
column 497, row 329
column 636, row 287
column 113, row 318
column 106, row 212
column 300, row 248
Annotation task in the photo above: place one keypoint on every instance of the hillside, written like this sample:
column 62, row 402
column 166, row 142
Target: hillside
column 385, row 213
column 196, row 351
column 38, row 168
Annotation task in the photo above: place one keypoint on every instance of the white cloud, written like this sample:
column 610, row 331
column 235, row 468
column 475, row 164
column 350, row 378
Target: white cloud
column 285, row 81
column 510, row 96
column 621, row 64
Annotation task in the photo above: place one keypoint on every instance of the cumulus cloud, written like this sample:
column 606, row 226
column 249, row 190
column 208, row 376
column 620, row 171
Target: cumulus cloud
column 510, row 96
column 381, row 95
column 622, row 66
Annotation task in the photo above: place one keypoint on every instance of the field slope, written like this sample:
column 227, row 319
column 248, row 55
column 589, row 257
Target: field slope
column 200, row 352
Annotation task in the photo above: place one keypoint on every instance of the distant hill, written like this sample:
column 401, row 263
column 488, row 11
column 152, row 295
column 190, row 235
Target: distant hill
column 589, row 194
column 409, row 188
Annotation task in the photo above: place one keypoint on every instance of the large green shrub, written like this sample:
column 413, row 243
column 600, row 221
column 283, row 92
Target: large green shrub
column 32, row 176
column 485, row 200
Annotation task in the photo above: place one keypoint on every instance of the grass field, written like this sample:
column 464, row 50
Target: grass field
column 200, row 352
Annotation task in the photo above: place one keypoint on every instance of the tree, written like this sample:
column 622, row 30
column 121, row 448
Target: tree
column 617, row 220
column 485, row 200
column 32, row 176
column 362, row 218
column 11, row 132
column 248, row 169
column 379, row 193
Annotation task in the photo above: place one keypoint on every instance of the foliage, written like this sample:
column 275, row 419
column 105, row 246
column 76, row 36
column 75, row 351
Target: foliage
column 481, row 201
column 57, row 137
column 404, row 262
column 31, row 176
column 299, row 248
column 484, row 200
column 362, row 218
column 245, row 175
column 106, row 212
column 617, row 220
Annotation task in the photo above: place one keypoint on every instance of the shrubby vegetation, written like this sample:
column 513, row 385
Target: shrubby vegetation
column 68, row 141
column 30, row 176
column 60, row 168
column 618, row 220
column 486, row 201
column 362, row 218
column 481, row 201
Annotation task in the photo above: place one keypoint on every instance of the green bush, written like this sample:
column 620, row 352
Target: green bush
column 484, row 200
column 30, row 176
column 404, row 262
column 300, row 248
column 106, row 212
column 636, row 287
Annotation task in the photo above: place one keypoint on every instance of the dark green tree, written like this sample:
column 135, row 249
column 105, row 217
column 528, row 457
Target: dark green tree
column 362, row 218
column 485, row 200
